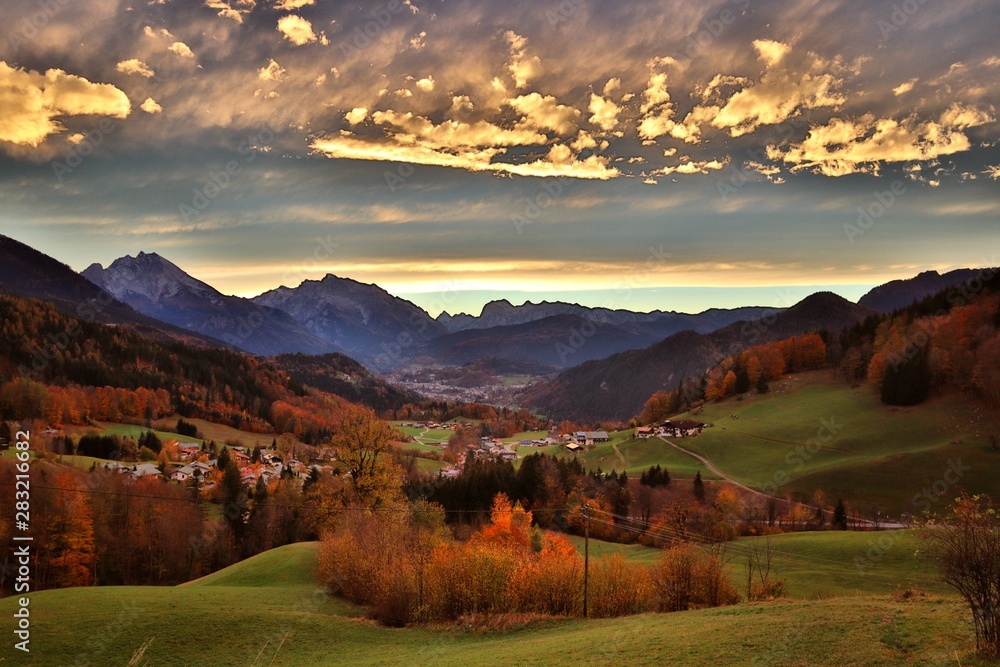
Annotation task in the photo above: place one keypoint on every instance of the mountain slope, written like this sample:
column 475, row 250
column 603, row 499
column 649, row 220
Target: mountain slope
column 339, row 374
column 26, row 272
column 363, row 320
column 156, row 287
column 901, row 293
column 559, row 340
column 617, row 387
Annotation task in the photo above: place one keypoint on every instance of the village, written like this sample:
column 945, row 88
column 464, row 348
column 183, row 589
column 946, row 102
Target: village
column 576, row 442
column 195, row 466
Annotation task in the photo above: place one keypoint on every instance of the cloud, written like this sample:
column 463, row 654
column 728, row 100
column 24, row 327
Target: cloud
column 150, row 106
column 287, row 5
column 771, row 52
column 356, row 115
column 613, row 84
column 31, row 103
column 461, row 104
column 692, row 167
column 556, row 164
column 783, row 90
column 846, row 146
column 296, row 30
column 232, row 10
column 522, row 68
column 134, row 66
column 181, row 49
column 604, row 112
column 656, row 92
column 904, row 88
column 543, row 112
column 271, row 72
column 426, row 84
column 451, row 133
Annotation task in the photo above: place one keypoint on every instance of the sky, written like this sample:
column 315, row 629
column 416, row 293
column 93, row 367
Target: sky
column 640, row 155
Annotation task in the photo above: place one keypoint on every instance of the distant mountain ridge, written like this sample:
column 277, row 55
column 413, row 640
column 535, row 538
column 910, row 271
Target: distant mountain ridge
column 657, row 324
column 898, row 294
column 363, row 320
column 615, row 388
column 558, row 340
column 158, row 288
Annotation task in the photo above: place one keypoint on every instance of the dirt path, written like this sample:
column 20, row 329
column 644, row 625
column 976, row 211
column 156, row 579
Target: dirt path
column 723, row 476
column 621, row 457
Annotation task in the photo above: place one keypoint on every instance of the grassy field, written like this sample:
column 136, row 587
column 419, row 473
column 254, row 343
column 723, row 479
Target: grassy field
column 135, row 431
column 872, row 455
column 819, row 565
column 219, row 433
column 268, row 611
column 425, row 436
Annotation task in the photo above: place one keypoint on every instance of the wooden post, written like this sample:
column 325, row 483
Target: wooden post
column 586, row 555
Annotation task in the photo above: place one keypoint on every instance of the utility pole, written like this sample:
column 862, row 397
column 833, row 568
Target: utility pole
column 586, row 555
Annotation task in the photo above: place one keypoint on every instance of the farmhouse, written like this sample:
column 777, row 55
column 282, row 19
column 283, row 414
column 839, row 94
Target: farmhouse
column 643, row 432
column 182, row 474
column 590, row 437
column 681, row 427
column 144, row 470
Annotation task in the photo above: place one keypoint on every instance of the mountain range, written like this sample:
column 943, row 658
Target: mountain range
column 656, row 324
column 612, row 359
column 616, row 387
column 155, row 287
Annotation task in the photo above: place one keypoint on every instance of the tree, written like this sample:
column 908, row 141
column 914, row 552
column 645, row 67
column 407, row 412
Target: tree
column 698, row 488
column 840, row 515
column 966, row 547
column 362, row 443
column 729, row 384
column 907, row 381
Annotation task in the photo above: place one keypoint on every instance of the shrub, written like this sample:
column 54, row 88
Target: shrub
column 618, row 588
column 687, row 577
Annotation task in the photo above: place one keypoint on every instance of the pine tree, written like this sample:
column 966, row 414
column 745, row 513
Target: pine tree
column 699, row 488
column 840, row 515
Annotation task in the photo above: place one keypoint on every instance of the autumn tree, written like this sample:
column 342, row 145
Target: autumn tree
column 362, row 443
column 70, row 529
column 966, row 547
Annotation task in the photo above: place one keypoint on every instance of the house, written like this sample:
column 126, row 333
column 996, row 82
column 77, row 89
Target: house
column 681, row 428
column 188, row 450
column 597, row 436
column 198, row 465
column 573, row 446
column 144, row 470
column 182, row 474
column 643, row 432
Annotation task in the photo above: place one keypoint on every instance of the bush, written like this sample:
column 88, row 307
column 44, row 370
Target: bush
column 687, row 577
column 618, row 588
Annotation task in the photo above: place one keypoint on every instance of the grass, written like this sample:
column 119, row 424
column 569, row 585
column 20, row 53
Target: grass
column 240, row 616
column 429, row 466
column 425, row 436
column 871, row 454
column 818, row 565
column 136, row 430
column 526, row 435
